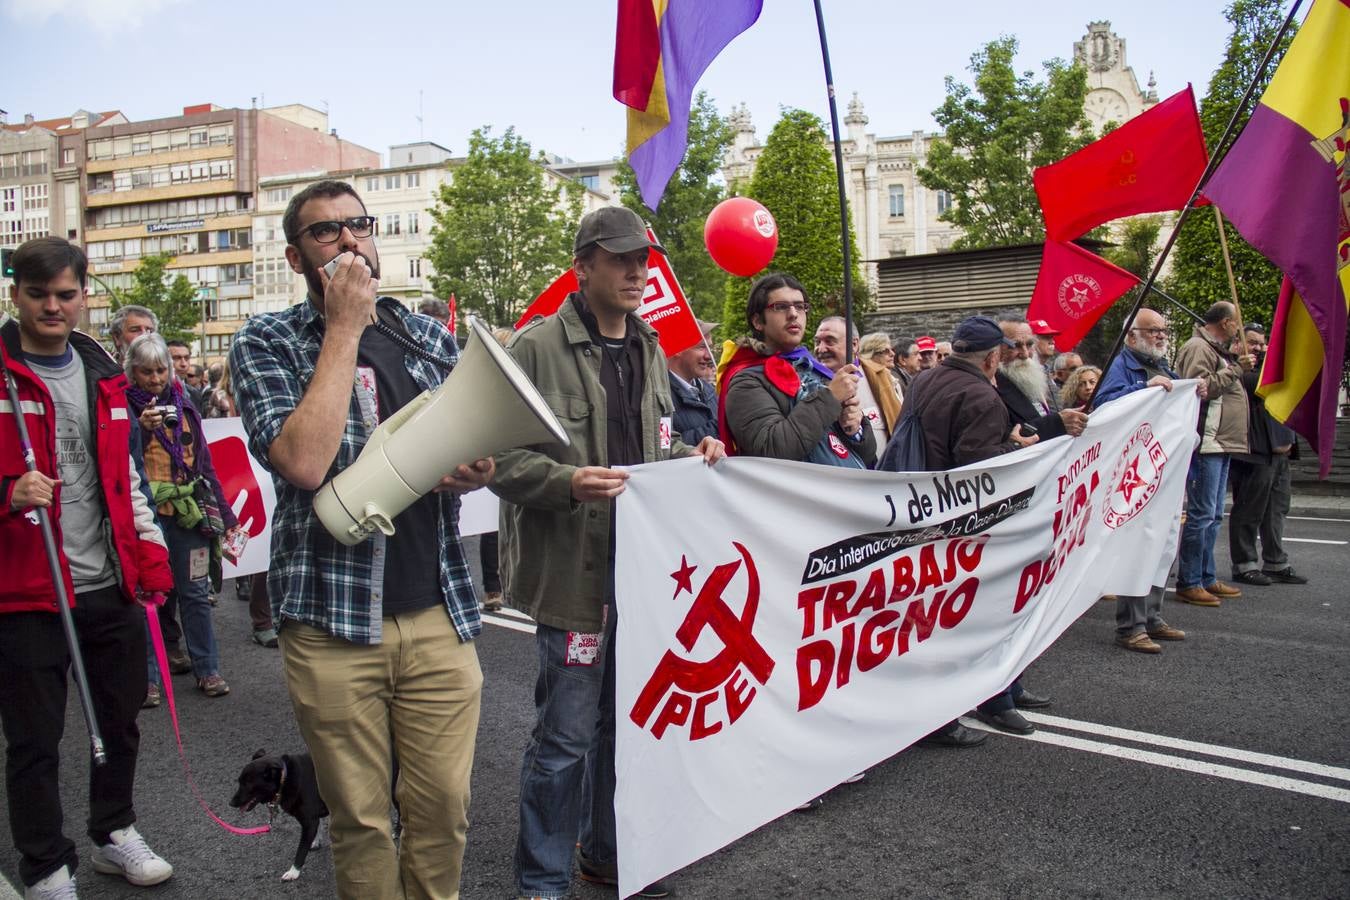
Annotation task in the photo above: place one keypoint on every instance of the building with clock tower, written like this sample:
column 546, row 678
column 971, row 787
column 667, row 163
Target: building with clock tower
column 1113, row 91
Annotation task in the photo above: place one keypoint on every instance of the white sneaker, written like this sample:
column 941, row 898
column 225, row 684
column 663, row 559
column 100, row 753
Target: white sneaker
column 127, row 855
column 60, row 885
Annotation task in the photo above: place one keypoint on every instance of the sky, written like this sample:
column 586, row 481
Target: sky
column 397, row 71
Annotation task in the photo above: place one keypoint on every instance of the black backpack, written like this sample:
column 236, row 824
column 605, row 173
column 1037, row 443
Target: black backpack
column 907, row 450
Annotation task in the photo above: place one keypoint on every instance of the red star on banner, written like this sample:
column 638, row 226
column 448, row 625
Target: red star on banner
column 683, row 577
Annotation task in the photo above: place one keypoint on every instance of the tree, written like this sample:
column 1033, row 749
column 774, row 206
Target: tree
column 795, row 179
column 503, row 229
column 1198, row 277
column 690, row 196
column 175, row 303
column 995, row 134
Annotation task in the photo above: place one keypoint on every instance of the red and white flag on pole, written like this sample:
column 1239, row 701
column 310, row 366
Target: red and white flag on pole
column 664, row 306
column 1073, row 289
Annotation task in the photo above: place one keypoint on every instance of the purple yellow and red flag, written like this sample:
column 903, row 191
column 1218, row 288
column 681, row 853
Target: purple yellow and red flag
column 661, row 49
column 1285, row 187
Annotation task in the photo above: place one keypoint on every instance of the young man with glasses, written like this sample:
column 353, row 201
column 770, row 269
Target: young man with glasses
column 1143, row 364
column 603, row 373
column 376, row 639
column 781, row 402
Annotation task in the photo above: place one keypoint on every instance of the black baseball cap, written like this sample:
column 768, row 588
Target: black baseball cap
column 615, row 228
column 979, row 333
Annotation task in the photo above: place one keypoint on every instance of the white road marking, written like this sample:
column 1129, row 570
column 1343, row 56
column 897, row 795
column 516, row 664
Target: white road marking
column 1317, row 519
column 512, row 613
column 1312, row 541
column 494, row 618
column 1160, row 740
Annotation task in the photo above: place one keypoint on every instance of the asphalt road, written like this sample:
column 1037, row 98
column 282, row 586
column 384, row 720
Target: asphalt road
column 1107, row 800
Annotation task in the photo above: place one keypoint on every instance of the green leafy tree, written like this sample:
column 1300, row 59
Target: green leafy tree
column 693, row 191
column 503, row 228
column 173, row 301
column 1198, row 277
column 795, row 179
column 995, row 134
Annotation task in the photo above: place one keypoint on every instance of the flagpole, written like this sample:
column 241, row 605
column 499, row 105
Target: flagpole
column 1199, row 319
column 843, row 200
column 1220, row 151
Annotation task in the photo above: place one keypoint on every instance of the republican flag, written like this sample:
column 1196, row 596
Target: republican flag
column 1285, row 187
column 1074, row 288
column 661, row 49
column 1151, row 163
column 664, row 306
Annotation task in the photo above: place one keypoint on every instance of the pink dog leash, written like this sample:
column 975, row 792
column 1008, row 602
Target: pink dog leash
column 162, row 658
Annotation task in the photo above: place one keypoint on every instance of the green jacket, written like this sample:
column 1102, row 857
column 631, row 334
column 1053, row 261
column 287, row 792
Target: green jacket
column 555, row 551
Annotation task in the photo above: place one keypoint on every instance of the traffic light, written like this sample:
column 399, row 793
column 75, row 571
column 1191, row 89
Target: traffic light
column 6, row 265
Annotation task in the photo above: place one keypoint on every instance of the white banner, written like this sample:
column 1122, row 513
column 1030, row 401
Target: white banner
column 810, row 622
column 248, row 488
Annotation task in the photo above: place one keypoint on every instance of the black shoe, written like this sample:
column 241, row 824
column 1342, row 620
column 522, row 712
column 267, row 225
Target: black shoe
column 608, row 874
column 1028, row 700
column 1010, row 720
column 1253, row 576
column 1287, row 575
column 959, row 736
column 179, row 664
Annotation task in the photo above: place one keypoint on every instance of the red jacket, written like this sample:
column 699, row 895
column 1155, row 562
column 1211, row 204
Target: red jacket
column 139, row 555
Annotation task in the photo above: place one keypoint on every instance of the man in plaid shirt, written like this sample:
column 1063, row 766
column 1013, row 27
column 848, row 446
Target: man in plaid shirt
column 376, row 639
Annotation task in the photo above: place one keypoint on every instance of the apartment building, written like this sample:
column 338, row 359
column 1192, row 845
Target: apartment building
column 185, row 185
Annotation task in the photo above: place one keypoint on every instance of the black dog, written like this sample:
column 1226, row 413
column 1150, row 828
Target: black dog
column 289, row 782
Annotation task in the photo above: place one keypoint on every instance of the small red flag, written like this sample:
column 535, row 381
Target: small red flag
column 664, row 306
column 1073, row 289
column 1151, row 163
column 452, row 306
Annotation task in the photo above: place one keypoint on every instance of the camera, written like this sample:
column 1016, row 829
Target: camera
column 169, row 412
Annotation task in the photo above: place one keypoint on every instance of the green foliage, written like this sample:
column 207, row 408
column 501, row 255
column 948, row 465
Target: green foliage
column 795, row 179
column 1135, row 252
column 174, row 302
column 692, row 193
column 503, row 231
column 1198, row 277
column 996, row 133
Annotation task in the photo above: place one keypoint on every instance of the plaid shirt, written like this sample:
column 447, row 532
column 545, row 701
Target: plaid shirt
column 314, row 579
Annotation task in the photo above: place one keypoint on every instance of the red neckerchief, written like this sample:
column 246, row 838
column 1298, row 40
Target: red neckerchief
column 777, row 370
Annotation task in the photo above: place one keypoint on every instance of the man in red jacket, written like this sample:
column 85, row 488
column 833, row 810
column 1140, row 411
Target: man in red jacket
column 72, row 396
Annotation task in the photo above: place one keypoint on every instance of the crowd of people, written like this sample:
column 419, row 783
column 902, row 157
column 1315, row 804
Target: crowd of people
column 376, row 640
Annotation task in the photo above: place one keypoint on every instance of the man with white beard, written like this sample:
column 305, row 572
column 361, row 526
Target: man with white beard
column 1025, row 387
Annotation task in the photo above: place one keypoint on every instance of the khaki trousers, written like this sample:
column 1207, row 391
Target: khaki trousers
column 416, row 693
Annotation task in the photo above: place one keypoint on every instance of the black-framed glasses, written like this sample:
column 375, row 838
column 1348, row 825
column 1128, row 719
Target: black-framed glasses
column 328, row 232
column 1151, row 332
column 782, row 306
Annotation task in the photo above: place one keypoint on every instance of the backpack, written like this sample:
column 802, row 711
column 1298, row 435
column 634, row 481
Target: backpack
column 907, row 450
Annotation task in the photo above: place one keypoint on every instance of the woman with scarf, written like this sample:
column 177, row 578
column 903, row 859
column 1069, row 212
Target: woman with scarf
column 193, row 511
column 781, row 402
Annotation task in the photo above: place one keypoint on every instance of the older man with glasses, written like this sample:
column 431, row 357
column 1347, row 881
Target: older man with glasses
column 376, row 639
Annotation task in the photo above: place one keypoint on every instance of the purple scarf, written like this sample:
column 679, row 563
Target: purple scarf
column 170, row 439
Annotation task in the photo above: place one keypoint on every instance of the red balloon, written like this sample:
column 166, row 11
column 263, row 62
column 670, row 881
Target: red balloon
column 741, row 236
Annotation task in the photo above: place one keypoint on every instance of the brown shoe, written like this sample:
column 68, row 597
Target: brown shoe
column 1198, row 596
column 1219, row 589
column 1139, row 643
column 492, row 601
column 1109, row 598
column 1165, row 632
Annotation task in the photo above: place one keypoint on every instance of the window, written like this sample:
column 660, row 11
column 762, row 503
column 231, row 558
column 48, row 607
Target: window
column 391, row 223
column 414, row 226
column 944, row 202
column 140, row 144
column 68, row 156
column 197, row 136
column 372, row 184
column 221, row 135
column 897, row 192
column 590, row 182
column 9, row 199
column 278, row 195
column 415, row 267
column 391, row 182
column 414, row 179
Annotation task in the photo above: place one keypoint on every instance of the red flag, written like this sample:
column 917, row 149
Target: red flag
column 1073, row 289
column 1151, row 163
column 452, row 306
column 664, row 306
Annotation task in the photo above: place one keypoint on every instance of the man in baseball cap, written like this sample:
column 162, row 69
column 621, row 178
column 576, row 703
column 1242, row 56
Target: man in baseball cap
column 1045, row 339
column 927, row 348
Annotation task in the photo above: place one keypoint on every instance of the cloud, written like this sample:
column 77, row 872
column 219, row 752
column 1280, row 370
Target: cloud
column 98, row 15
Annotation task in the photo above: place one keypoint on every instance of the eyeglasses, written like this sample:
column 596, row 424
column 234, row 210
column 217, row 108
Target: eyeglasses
column 1025, row 345
column 783, row 306
column 328, row 232
column 1151, row 332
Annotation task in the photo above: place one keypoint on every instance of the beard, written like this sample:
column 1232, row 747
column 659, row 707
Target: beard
column 310, row 272
column 1029, row 377
column 1155, row 356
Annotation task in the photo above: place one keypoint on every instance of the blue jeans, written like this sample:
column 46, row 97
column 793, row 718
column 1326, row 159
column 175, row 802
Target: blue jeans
column 567, row 779
column 1206, row 483
column 194, row 602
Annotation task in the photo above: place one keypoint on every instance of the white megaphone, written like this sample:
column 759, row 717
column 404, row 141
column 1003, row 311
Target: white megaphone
column 434, row 434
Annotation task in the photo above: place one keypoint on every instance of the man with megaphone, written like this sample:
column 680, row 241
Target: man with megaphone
column 376, row 634
column 601, row 370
